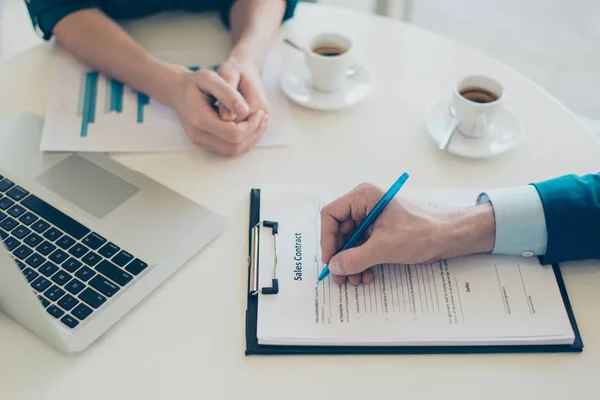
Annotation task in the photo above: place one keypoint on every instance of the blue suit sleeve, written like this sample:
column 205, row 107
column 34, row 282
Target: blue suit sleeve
column 290, row 8
column 572, row 210
column 45, row 14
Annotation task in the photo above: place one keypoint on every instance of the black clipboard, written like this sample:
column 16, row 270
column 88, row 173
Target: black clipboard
column 254, row 348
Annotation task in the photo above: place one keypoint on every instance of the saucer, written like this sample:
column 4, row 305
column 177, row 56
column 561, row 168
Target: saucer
column 505, row 133
column 297, row 86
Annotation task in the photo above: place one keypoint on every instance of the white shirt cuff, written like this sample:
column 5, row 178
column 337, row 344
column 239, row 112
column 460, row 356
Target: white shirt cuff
column 520, row 221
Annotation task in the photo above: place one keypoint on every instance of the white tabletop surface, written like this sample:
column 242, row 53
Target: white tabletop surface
column 187, row 339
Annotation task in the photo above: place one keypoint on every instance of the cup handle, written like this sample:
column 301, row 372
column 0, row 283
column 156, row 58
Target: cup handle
column 482, row 126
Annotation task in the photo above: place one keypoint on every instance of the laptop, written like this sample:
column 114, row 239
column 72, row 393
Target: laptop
column 84, row 238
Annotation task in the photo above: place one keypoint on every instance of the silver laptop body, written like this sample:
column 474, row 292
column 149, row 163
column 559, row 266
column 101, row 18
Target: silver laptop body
column 128, row 232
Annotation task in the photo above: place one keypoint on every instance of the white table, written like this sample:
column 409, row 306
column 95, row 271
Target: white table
column 187, row 339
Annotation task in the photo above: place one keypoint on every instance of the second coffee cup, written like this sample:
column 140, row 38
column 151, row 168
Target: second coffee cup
column 476, row 99
column 329, row 57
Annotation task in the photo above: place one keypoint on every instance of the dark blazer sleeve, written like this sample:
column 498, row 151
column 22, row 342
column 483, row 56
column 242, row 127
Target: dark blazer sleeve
column 572, row 210
column 45, row 14
column 225, row 9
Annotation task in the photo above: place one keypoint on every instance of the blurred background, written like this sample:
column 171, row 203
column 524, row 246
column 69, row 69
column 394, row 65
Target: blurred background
column 556, row 43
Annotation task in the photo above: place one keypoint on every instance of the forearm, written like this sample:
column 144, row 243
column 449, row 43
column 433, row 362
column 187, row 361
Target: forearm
column 102, row 44
column 468, row 231
column 254, row 23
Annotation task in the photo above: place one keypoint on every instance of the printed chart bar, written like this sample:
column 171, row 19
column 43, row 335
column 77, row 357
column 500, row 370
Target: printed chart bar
column 88, row 95
column 141, row 102
column 114, row 96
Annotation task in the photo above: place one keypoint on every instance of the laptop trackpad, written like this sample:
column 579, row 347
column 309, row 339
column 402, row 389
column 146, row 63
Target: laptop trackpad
column 86, row 185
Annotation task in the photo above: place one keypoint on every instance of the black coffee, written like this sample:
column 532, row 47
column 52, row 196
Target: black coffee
column 479, row 95
column 329, row 51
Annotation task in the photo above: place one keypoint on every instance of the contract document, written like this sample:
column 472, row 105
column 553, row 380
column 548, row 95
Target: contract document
column 481, row 300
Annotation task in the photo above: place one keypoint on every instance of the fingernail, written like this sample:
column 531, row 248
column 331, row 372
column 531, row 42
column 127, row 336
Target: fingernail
column 241, row 107
column 335, row 268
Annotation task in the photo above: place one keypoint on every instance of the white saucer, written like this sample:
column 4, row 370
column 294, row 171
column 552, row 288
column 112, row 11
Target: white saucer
column 297, row 86
column 505, row 133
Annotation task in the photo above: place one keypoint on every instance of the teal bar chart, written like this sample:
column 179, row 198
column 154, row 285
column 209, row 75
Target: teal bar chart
column 113, row 102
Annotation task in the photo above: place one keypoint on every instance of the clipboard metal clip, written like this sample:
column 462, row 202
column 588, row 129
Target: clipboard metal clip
column 274, row 289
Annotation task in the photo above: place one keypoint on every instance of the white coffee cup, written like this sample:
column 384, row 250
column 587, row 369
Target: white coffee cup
column 476, row 100
column 329, row 56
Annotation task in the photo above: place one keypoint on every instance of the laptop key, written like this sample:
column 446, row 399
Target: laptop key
column 58, row 256
column 33, row 240
column 8, row 224
column 55, row 311
column 55, row 216
column 17, row 193
column 5, row 202
column 48, row 269
column 11, row 243
column 30, row 274
column 22, row 252
column 72, row 265
column 6, row 184
column 78, row 250
column 40, row 226
column 3, row 234
column 85, row 274
column 45, row 248
column 52, row 234
column 109, row 250
column 75, row 286
column 2, row 215
column 16, row 210
column 136, row 266
column 41, row 284
column 114, row 273
column 28, row 219
column 65, row 242
column 94, row 241
column 54, row 293
column 68, row 302
column 20, row 232
column 92, row 298
column 43, row 300
column 91, row 259
column 81, row 312
column 35, row 260
column 104, row 286
column 20, row 264
column 69, row 321
column 61, row 277
column 122, row 258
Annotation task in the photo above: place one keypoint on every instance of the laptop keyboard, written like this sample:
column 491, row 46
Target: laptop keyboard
column 71, row 269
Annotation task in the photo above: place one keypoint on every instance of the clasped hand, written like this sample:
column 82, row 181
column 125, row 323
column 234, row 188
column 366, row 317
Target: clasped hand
column 242, row 116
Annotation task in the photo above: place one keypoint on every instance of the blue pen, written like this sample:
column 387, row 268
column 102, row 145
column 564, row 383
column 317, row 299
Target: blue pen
column 364, row 225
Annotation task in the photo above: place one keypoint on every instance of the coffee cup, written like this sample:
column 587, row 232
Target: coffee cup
column 329, row 56
column 476, row 100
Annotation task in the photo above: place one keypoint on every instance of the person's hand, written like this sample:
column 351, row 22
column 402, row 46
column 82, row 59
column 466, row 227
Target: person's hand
column 405, row 233
column 245, row 77
column 193, row 96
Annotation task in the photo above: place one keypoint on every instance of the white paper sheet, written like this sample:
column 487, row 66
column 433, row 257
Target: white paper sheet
column 124, row 123
column 473, row 300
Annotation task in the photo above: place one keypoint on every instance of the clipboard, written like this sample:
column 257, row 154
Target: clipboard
column 254, row 291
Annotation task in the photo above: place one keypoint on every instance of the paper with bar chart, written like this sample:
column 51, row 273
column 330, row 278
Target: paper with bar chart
column 90, row 112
